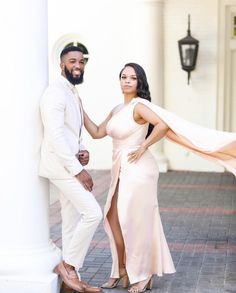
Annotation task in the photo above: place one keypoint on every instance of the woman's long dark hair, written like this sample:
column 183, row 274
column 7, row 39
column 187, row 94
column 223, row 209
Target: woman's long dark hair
column 142, row 86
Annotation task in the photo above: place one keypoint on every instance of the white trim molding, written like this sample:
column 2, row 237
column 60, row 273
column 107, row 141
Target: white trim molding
column 224, row 97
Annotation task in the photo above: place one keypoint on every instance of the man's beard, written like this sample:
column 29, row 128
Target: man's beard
column 74, row 80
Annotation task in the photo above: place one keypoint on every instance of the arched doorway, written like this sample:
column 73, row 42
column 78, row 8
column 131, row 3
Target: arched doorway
column 64, row 41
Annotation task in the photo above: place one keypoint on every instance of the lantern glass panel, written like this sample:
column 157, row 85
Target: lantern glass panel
column 188, row 54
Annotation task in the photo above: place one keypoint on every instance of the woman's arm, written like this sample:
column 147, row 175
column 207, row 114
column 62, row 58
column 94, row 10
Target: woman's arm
column 143, row 114
column 94, row 130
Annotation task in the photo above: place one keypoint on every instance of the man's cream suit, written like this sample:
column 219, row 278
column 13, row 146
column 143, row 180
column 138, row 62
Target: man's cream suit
column 62, row 120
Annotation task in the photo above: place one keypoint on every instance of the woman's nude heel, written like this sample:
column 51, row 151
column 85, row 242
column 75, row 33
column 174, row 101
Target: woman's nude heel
column 149, row 285
column 125, row 281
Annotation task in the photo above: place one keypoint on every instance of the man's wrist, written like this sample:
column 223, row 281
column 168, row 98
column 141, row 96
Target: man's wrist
column 78, row 173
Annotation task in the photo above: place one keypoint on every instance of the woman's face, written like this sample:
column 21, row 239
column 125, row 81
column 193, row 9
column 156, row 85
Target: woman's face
column 129, row 81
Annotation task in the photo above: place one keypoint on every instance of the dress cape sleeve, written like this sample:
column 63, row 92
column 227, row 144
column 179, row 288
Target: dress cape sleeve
column 219, row 146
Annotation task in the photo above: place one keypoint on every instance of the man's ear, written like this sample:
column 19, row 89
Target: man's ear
column 62, row 65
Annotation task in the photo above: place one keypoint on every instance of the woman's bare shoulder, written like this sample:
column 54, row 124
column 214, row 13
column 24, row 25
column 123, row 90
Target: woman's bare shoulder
column 116, row 108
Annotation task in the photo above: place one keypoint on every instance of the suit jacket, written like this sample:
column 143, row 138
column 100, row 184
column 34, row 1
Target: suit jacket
column 62, row 121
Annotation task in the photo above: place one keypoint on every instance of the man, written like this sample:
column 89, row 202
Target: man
column 62, row 161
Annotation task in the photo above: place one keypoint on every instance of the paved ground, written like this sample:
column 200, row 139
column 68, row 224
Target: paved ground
column 198, row 212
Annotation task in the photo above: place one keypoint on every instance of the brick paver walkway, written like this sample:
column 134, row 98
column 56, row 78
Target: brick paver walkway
column 198, row 213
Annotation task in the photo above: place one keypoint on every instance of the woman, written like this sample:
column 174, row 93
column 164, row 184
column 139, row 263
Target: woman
column 131, row 215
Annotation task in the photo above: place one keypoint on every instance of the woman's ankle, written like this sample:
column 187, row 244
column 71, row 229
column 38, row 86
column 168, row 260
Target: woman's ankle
column 122, row 271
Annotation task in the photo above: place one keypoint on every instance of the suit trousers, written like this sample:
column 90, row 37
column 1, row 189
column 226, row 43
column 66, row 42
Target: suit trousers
column 81, row 215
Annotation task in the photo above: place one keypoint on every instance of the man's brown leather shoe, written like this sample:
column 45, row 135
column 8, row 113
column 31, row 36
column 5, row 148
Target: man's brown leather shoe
column 87, row 288
column 70, row 279
column 91, row 289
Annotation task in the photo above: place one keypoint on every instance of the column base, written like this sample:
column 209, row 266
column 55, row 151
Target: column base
column 30, row 284
column 30, row 270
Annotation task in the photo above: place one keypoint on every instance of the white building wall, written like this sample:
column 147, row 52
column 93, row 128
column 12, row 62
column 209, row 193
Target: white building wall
column 115, row 32
column 197, row 101
column 120, row 31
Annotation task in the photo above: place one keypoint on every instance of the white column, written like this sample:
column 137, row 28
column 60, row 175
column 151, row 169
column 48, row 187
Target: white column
column 158, row 97
column 27, row 257
column 154, row 10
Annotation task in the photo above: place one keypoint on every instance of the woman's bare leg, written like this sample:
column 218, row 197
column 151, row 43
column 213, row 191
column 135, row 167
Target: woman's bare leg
column 113, row 220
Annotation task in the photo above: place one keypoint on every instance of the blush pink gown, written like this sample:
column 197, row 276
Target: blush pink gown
column 146, row 249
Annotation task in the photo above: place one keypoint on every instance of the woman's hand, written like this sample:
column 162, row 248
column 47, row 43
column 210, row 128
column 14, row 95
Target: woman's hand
column 134, row 156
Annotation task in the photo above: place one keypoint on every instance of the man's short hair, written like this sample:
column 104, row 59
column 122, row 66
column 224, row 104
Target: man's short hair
column 70, row 48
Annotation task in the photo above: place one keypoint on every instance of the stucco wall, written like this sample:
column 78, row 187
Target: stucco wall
column 197, row 101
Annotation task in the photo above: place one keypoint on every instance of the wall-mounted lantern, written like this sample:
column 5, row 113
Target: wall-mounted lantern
column 188, row 49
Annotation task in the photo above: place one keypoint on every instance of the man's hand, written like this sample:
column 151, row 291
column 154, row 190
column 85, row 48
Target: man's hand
column 85, row 179
column 83, row 157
